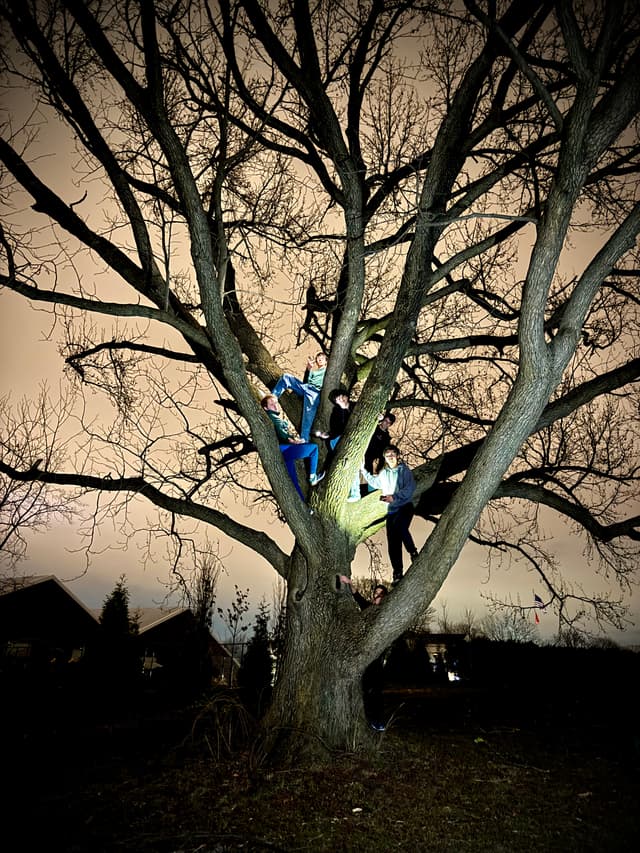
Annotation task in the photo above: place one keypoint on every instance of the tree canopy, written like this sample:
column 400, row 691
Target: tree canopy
column 441, row 196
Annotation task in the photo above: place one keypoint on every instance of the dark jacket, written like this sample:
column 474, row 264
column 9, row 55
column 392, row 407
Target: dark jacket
column 338, row 421
column 379, row 442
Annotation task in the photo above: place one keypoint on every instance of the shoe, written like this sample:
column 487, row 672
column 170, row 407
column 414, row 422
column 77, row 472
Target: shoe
column 314, row 479
column 319, row 434
column 378, row 727
column 413, row 555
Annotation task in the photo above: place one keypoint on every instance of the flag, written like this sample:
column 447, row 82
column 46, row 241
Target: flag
column 538, row 603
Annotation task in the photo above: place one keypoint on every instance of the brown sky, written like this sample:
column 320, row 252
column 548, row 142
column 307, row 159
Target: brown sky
column 27, row 359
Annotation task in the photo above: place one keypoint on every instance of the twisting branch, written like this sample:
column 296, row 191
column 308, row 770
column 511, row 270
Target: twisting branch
column 260, row 542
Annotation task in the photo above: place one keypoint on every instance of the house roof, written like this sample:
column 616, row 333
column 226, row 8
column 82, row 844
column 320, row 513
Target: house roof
column 27, row 619
column 150, row 617
column 40, row 609
column 8, row 586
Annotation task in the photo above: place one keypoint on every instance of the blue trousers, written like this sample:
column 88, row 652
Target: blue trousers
column 310, row 400
column 292, row 452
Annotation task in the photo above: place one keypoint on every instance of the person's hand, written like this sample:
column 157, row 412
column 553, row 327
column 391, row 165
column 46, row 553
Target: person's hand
column 310, row 364
column 345, row 579
column 296, row 441
column 388, row 499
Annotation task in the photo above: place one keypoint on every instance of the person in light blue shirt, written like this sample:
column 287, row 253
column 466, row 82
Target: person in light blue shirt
column 308, row 388
column 397, row 484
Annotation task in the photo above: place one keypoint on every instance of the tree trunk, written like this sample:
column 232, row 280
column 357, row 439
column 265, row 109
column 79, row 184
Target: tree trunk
column 317, row 707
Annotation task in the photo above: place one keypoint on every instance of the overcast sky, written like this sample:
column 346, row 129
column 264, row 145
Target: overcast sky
column 28, row 359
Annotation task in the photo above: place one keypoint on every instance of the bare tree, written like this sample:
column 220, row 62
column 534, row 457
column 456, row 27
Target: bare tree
column 32, row 437
column 468, row 624
column 402, row 183
column 507, row 625
column 197, row 583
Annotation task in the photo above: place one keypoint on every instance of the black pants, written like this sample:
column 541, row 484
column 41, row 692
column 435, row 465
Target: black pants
column 398, row 534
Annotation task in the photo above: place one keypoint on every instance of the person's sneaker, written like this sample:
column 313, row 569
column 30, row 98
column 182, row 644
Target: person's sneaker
column 320, row 434
column 378, row 727
column 314, row 479
column 414, row 556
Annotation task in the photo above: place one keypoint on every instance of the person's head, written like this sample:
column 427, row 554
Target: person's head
column 391, row 456
column 340, row 397
column 321, row 359
column 270, row 403
column 387, row 421
column 379, row 593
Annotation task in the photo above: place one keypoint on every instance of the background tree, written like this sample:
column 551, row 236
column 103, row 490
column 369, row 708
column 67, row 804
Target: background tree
column 118, row 667
column 32, row 506
column 233, row 618
column 468, row 624
column 400, row 184
column 504, row 626
column 256, row 672
column 196, row 584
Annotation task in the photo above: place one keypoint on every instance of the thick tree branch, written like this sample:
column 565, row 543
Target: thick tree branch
column 248, row 536
column 629, row 527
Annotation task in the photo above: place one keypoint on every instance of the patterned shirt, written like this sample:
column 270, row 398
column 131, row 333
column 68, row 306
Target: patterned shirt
column 283, row 427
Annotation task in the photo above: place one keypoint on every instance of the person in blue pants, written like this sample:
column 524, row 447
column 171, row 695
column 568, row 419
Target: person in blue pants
column 291, row 445
column 308, row 388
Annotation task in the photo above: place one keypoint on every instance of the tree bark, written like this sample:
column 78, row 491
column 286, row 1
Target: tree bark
column 317, row 706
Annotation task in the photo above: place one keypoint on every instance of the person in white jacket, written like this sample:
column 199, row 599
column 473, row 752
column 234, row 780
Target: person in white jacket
column 397, row 484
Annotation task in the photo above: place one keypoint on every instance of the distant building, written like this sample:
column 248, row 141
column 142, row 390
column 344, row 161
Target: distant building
column 42, row 622
column 167, row 638
column 420, row 657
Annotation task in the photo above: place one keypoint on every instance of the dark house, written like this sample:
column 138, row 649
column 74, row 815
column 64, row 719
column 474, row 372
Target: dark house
column 42, row 623
column 420, row 657
column 43, row 627
column 171, row 646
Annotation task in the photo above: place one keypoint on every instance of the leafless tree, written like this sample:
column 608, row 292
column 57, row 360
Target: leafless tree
column 403, row 184
column 508, row 625
column 32, row 438
column 197, row 584
column 468, row 624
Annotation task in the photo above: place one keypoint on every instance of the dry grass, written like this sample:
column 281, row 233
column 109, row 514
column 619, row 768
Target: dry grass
column 457, row 770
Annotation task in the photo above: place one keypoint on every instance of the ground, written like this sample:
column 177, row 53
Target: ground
column 458, row 769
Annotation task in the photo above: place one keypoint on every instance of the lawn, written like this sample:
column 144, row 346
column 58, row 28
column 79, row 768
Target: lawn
column 458, row 769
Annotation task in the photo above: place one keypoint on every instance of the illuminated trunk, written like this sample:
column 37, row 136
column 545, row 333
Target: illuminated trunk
column 317, row 705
